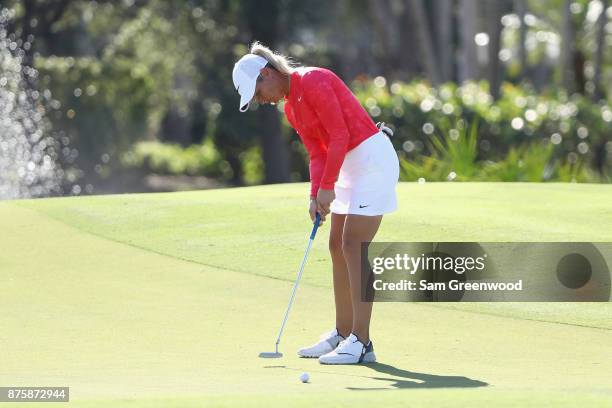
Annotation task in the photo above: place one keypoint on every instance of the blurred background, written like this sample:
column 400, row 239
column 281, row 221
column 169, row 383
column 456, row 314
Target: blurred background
column 136, row 95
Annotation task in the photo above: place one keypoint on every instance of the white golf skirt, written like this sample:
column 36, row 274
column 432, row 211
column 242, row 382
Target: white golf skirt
column 368, row 177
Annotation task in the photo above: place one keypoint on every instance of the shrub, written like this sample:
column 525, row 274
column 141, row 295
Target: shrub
column 454, row 157
column 169, row 158
column 521, row 119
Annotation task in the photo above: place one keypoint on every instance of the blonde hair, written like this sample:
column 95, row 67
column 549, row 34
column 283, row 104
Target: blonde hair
column 280, row 62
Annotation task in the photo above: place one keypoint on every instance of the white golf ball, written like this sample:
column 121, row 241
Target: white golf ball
column 304, row 377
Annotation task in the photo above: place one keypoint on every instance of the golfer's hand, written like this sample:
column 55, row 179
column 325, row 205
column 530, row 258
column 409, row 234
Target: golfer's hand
column 324, row 199
column 313, row 211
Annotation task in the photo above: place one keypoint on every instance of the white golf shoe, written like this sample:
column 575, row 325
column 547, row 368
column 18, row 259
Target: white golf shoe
column 327, row 342
column 350, row 351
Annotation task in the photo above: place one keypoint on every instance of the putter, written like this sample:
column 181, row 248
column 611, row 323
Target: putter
column 276, row 354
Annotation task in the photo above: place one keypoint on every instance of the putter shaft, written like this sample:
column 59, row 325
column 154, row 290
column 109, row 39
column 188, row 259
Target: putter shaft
column 299, row 277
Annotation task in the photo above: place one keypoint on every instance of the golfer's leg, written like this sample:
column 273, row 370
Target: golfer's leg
column 358, row 229
column 342, row 293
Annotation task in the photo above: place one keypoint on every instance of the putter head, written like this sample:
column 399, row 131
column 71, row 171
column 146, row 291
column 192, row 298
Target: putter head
column 270, row 354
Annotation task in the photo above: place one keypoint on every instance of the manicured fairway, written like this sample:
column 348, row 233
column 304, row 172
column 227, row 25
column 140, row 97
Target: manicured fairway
column 165, row 300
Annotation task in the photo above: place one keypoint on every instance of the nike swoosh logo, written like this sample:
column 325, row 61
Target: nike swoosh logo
column 364, row 206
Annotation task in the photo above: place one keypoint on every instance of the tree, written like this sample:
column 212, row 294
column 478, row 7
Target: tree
column 494, row 28
column 176, row 126
column 443, row 29
column 521, row 10
column 598, row 92
column 35, row 22
column 424, row 40
column 468, row 17
column 263, row 25
column 390, row 32
column 567, row 47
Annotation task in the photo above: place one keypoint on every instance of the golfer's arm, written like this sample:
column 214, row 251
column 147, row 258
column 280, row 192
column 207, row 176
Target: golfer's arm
column 317, row 156
column 327, row 107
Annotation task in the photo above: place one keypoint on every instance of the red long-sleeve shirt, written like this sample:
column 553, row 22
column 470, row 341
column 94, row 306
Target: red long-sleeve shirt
column 329, row 120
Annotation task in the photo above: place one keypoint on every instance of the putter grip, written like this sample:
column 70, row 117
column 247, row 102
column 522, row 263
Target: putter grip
column 316, row 226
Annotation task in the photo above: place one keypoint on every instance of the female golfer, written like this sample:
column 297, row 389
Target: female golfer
column 353, row 171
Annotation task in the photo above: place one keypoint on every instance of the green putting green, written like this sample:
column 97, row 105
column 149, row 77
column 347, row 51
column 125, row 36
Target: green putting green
column 166, row 300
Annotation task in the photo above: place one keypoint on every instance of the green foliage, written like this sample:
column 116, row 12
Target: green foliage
column 90, row 93
column 120, row 92
column 512, row 129
column 454, row 159
column 195, row 160
column 119, row 69
column 252, row 166
column 524, row 163
column 170, row 158
column 456, row 151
